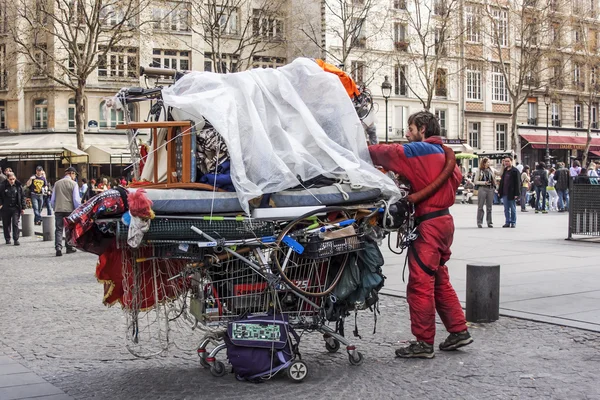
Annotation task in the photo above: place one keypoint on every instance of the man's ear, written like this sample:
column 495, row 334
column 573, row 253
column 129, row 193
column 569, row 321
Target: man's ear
column 422, row 130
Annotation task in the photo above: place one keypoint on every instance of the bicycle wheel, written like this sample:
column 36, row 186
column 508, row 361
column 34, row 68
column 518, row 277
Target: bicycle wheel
column 311, row 277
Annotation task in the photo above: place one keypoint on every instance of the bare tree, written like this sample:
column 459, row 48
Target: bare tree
column 352, row 28
column 426, row 39
column 537, row 58
column 66, row 40
column 235, row 31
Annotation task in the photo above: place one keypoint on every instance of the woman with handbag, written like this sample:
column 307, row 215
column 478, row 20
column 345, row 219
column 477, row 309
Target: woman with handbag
column 486, row 184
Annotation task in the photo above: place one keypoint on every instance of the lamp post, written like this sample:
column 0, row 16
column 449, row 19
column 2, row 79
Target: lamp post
column 386, row 91
column 547, row 100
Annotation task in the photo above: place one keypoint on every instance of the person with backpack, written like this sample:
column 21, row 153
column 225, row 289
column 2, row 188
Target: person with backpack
column 539, row 178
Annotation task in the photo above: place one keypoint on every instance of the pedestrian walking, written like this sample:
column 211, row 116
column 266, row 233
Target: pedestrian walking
column 47, row 192
column 84, row 187
column 551, row 189
column 429, row 288
column 562, row 179
column 486, row 186
column 65, row 198
column 36, row 192
column 12, row 206
column 509, row 189
column 539, row 178
column 582, row 178
column 525, row 186
column 591, row 171
column 575, row 169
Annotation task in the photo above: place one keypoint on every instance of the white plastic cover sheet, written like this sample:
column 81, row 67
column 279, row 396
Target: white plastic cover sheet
column 278, row 124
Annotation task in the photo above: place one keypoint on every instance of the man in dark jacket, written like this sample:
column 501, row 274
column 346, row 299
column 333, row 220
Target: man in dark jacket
column 429, row 288
column 12, row 205
column 562, row 177
column 509, row 190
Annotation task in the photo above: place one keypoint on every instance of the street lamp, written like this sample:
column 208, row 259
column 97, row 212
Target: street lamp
column 386, row 91
column 547, row 101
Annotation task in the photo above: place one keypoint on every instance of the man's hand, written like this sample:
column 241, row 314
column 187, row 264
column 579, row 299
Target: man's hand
column 516, row 197
column 22, row 212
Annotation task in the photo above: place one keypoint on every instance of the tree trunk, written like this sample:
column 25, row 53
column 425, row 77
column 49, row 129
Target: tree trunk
column 588, row 142
column 80, row 120
column 515, row 143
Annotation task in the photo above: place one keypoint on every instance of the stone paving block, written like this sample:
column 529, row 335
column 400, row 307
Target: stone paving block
column 8, row 369
column 28, row 391
column 6, row 360
column 19, row 379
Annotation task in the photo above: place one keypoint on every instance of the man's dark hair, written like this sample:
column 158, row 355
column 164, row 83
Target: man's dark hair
column 83, row 180
column 427, row 120
column 509, row 157
column 541, row 165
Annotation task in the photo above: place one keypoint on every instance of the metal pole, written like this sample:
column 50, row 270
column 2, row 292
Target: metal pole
column 386, row 119
column 547, row 135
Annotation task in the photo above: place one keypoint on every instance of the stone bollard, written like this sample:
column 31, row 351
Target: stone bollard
column 48, row 227
column 483, row 292
column 27, row 224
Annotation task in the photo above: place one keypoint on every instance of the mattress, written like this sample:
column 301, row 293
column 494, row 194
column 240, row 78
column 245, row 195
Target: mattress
column 180, row 201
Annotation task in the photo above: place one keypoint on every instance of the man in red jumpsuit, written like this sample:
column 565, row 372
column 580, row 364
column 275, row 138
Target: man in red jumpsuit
column 429, row 288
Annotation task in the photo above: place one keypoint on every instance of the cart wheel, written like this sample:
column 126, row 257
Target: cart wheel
column 332, row 348
column 297, row 371
column 355, row 359
column 218, row 369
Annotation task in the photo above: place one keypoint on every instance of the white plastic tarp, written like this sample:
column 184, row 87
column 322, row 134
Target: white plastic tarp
column 278, row 124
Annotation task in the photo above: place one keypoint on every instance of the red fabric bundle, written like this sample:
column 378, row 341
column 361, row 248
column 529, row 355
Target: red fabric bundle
column 139, row 204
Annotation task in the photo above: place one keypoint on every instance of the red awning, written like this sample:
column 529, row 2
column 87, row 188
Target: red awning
column 595, row 153
column 561, row 142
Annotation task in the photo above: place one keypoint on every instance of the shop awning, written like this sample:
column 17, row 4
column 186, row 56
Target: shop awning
column 561, row 142
column 108, row 155
column 595, row 153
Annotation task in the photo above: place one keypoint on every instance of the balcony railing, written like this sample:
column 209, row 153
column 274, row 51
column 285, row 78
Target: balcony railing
column 578, row 124
column 579, row 85
column 594, row 125
column 532, row 121
column 441, row 92
column 401, row 45
column 359, row 42
column 556, row 122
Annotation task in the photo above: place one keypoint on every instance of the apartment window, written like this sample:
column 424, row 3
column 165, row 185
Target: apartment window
column 41, row 11
column 40, row 114
column 577, row 7
column 441, row 117
column 3, row 82
column 40, row 60
column 578, row 36
column 555, row 35
column 71, row 113
column 399, row 4
column 267, row 62
column 555, row 114
column 119, row 62
column 473, row 23
column 594, row 115
column 439, row 7
column 499, row 89
column 577, row 116
column 3, row 17
column 400, row 86
column 474, row 131
column 358, row 71
column 400, row 36
column 557, row 80
column 174, row 17
column 501, row 136
column 171, row 59
column 109, row 118
column 229, row 63
column 577, row 82
column 227, row 18
column 530, row 33
column 267, row 26
column 500, row 27
column 532, row 112
column 357, row 31
column 2, row 114
column 441, row 83
column 473, row 82
column 440, row 47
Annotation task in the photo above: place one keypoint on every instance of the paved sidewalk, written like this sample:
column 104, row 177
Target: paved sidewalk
column 543, row 276
column 19, row 383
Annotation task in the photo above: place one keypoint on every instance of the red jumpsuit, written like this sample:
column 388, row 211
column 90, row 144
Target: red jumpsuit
column 429, row 287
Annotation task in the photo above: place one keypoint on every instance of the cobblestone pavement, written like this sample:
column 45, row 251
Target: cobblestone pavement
column 53, row 322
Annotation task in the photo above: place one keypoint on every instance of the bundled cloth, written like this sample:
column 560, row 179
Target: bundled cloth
column 83, row 227
column 140, row 210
